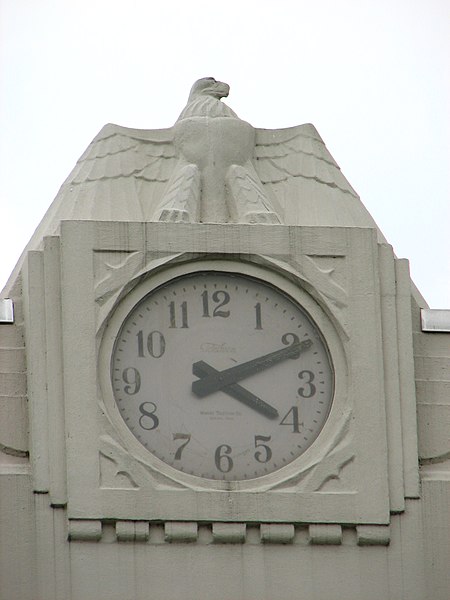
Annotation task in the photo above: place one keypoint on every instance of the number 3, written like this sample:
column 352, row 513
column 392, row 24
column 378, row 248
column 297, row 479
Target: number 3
column 310, row 389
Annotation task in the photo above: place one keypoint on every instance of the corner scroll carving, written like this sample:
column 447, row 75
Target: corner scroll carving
column 324, row 277
column 114, row 271
column 119, row 469
column 113, row 476
column 329, row 466
column 321, row 274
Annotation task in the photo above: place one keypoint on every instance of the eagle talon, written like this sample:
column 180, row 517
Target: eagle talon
column 268, row 218
column 173, row 215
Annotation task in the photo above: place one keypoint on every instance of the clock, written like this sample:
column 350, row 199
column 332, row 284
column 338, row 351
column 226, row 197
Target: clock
column 219, row 371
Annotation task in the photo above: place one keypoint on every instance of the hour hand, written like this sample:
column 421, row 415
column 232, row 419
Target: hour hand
column 202, row 369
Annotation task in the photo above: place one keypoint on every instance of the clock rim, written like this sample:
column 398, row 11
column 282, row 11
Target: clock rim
column 283, row 282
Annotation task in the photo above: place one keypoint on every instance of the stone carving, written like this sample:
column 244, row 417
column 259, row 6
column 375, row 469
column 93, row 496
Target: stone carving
column 210, row 166
column 329, row 466
column 113, row 475
column 116, row 272
column 324, row 274
column 277, row 533
column 325, row 534
column 330, row 476
column 182, row 532
column 321, row 274
column 113, row 270
column 121, row 470
column 215, row 180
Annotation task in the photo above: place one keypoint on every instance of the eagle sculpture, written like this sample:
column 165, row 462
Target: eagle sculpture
column 210, row 166
column 214, row 179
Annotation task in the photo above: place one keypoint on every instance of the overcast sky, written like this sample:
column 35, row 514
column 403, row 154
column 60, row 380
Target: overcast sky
column 372, row 75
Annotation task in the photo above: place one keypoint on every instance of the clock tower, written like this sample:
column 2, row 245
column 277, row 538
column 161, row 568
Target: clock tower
column 216, row 380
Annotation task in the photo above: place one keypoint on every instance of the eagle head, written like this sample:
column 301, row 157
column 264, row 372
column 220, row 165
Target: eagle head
column 208, row 86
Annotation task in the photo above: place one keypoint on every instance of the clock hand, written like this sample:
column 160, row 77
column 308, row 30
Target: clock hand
column 220, row 379
column 202, row 369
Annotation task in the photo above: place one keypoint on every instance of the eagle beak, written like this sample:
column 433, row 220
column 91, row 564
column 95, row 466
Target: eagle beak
column 221, row 90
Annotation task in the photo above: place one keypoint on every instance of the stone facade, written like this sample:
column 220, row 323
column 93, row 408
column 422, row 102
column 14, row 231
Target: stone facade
column 85, row 514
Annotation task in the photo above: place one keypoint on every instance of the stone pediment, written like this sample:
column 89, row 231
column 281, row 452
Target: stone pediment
column 262, row 175
column 124, row 172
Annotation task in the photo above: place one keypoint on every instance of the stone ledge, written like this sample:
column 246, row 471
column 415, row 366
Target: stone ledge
column 373, row 535
column 182, row 532
column 132, row 531
column 277, row 533
column 325, row 535
column 85, row 530
column 229, row 533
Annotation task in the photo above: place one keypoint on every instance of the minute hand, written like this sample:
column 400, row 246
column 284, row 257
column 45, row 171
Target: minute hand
column 213, row 383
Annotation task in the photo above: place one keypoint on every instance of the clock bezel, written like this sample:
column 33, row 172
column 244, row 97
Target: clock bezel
column 285, row 283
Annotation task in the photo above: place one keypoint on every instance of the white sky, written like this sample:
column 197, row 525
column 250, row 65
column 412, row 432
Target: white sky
column 372, row 75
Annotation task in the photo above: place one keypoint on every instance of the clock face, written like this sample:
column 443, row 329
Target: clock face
column 222, row 376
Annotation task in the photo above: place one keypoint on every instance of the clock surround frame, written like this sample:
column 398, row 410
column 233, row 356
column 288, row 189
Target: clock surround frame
column 79, row 277
column 281, row 281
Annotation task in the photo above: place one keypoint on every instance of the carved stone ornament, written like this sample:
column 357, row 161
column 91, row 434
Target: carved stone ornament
column 210, row 167
column 214, row 179
column 114, row 266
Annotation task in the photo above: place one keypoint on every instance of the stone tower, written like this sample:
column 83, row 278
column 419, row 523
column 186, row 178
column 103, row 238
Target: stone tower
column 217, row 380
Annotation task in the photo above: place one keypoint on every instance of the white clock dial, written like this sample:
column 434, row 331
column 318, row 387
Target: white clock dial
column 222, row 376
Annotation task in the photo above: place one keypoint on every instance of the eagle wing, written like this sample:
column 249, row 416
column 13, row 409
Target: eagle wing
column 120, row 177
column 296, row 166
column 122, row 174
column 122, row 152
column 282, row 154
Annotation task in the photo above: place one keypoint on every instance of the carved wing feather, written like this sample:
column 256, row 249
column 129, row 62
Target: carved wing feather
column 296, row 152
column 295, row 166
column 120, row 177
column 123, row 152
